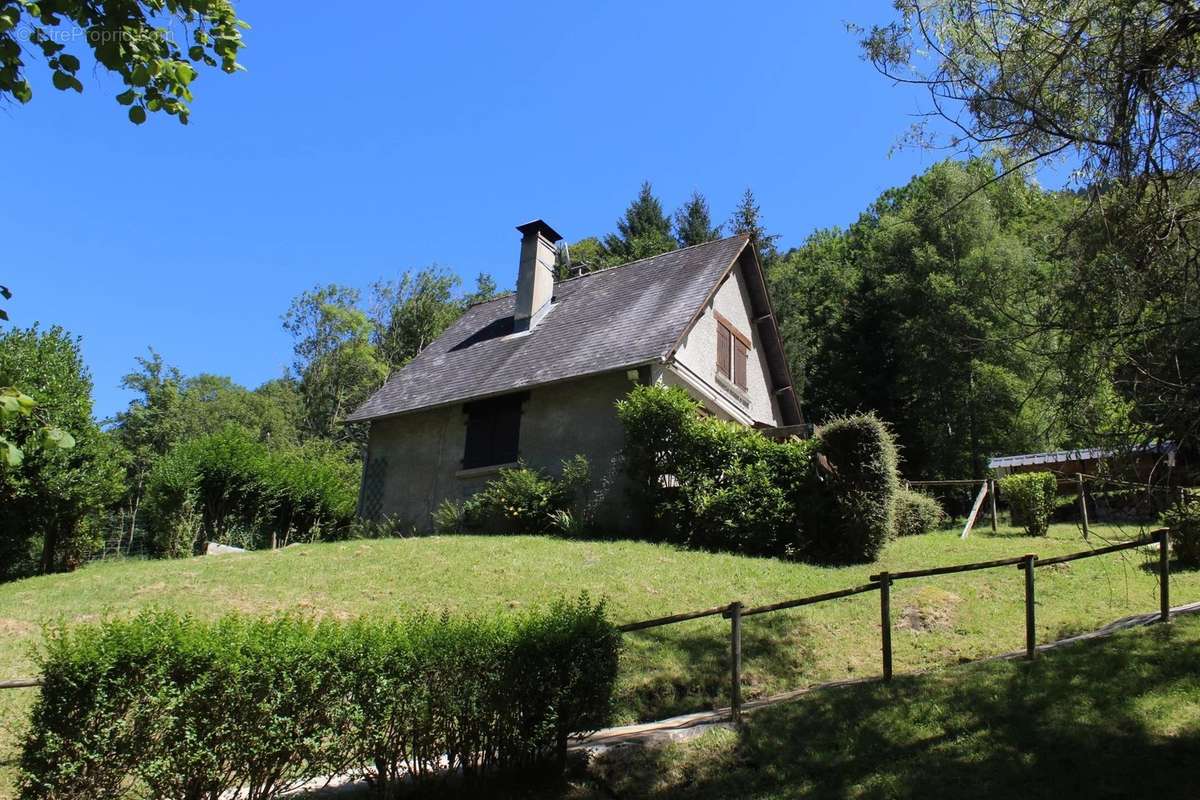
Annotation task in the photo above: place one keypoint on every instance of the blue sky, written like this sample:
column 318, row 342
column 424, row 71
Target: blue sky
column 356, row 147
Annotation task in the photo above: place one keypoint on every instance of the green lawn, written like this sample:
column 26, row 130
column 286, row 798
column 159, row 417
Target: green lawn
column 1113, row 718
column 664, row 671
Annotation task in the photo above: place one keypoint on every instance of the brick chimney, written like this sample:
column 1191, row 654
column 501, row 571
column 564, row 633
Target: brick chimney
column 535, row 276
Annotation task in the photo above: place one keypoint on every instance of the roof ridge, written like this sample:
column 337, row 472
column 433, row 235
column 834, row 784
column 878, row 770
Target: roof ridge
column 657, row 255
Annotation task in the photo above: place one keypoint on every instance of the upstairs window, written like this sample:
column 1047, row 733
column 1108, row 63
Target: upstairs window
column 493, row 431
column 733, row 351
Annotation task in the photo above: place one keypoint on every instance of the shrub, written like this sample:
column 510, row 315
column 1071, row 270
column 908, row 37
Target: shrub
column 703, row 482
column 917, row 513
column 1030, row 498
column 229, row 487
column 1184, row 521
column 167, row 706
column 522, row 500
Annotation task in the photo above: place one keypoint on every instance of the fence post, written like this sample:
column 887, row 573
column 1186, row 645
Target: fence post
column 1164, row 575
column 992, row 493
column 885, row 619
column 1082, row 504
column 735, row 657
column 1030, row 616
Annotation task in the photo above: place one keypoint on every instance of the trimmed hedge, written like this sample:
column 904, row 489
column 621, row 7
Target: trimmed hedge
column 170, row 707
column 917, row 513
column 1031, row 497
column 1184, row 521
column 702, row 482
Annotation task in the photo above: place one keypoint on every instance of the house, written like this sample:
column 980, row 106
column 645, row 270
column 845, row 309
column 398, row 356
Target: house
column 534, row 376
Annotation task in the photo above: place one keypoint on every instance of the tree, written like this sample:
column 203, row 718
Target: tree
column 1113, row 86
column 153, row 46
column 337, row 362
column 693, row 225
column 746, row 221
column 50, row 503
column 643, row 231
column 412, row 311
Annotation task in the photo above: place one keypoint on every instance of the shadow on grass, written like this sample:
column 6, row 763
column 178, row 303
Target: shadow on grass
column 778, row 650
column 1088, row 721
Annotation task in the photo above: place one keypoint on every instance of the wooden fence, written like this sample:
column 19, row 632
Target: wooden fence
column 735, row 612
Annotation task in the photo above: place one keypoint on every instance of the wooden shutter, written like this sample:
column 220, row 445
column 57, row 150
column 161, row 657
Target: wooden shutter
column 493, row 431
column 723, row 338
column 739, row 363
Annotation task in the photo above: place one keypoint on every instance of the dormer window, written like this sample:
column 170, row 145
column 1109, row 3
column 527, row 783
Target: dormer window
column 733, row 351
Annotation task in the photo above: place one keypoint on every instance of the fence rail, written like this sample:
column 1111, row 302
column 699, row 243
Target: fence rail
column 735, row 612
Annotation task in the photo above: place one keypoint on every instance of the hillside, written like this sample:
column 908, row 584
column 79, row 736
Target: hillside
column 664, row 671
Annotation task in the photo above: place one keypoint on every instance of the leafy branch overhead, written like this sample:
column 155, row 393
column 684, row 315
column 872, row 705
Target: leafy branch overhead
column 14, row 405
column 155, row 46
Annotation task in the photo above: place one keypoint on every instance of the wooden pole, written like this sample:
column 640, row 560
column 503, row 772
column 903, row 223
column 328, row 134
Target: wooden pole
column 735, row 657
column 1082, row 504
column 885, row 619
column 1030, row 616
column 992, row 492
column 1164, row 575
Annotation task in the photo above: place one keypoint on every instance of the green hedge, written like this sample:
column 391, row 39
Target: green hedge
column 167, row 706
column 232, row 488
column 702, row 482
column 917, row 513
column 1031, row 497
column 1184, row 521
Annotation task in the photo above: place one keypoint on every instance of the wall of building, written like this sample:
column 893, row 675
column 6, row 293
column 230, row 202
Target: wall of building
column 696, row 359
column 423, row 451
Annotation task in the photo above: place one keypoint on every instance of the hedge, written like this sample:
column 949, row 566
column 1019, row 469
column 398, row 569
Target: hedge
column 917, row 513
column 232, row 488
column 1031, row 497
column 166, row 706
column 1184, row 521
column 702, row 482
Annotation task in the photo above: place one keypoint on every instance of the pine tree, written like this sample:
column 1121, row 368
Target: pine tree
column 643, row 231
column 693, row 225
column 745, row 220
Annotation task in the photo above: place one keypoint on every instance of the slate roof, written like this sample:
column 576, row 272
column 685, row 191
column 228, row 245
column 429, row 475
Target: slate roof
column 611, row 319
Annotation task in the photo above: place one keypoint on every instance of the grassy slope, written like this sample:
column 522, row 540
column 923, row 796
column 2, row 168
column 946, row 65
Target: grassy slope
column 664, row 671
column 1113, row 718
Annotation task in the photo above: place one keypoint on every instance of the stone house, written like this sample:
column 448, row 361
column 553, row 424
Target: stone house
column 533, row 377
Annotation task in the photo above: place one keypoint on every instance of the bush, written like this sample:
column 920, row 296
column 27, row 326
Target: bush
column 702, row 482
column 917, row 513
column 1031, row 497
column 523, row 500
column 166, row 706
column 231, row 488
column 1184, row 521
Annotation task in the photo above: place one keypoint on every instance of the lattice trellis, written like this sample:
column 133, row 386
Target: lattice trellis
column 370, row 502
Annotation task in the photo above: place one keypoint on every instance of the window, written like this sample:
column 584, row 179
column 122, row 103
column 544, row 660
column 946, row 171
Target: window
column 733, row 350
column 493, row 431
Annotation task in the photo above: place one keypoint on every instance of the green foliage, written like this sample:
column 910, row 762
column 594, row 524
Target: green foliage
column 703, row 482
column 643, row 231
column 130, row 39
column 47, row 500
column 1184, row 521
column 693, row 223
column 1030, row 497
column 917, row 513
column 240, row 491
column 524, row 500
column 746, row 220
column 193, row 709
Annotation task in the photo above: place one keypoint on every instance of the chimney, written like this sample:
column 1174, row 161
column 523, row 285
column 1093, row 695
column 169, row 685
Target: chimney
column 535, row 276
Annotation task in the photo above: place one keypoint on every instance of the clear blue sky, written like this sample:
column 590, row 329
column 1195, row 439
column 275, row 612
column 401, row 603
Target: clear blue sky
column 356, row 146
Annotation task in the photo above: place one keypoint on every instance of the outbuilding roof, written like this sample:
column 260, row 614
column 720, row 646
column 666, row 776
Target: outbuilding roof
column 606, row 320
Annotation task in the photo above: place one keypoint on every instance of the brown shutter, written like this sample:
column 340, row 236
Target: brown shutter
column 739, row 363
column 723, row 350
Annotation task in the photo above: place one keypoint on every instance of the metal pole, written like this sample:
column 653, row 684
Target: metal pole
column 1030, row 617
column 735, row 653
column 885, row 619
column 1164, row 575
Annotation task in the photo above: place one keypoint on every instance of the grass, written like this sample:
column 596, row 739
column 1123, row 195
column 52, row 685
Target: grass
column 1112, row 718
column 664, row 671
